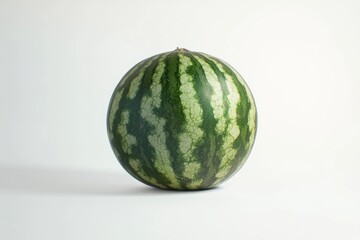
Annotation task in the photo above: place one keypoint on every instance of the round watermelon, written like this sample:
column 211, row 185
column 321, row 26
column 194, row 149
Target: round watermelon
column 182, row 120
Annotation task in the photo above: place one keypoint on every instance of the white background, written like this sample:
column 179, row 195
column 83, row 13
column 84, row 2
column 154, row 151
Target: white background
column 60, row 61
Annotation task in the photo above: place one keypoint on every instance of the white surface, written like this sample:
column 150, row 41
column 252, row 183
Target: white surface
column 60, row 61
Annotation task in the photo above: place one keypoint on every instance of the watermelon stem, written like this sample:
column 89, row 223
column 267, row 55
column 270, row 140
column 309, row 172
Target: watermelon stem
column 181, row 49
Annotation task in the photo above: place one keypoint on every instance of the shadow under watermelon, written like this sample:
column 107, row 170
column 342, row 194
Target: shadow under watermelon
column 61, row 181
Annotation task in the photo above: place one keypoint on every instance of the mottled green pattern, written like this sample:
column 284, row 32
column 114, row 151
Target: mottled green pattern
column 192, row 133
column 182, row 120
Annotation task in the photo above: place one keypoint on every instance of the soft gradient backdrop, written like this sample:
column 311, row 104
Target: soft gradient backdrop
column 61, row 60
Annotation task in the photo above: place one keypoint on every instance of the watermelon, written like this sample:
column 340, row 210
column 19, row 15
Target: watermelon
column 182, row 120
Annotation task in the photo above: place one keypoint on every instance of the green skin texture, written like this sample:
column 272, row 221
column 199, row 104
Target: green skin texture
column 182, row 120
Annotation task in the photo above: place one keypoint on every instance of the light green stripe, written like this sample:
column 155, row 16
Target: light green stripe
column 216, row 101
column 127, row 140
column 135, row 83
column 192, row 132
column 233, row 130
column 252, row 125
column 114, row 107
column 136, row 165
column 252, row 111
column 194, row 184
column 129, row 73
column 157, row 138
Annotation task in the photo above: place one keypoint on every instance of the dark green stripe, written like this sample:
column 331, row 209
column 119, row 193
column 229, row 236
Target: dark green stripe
column 125, row 84
column 206, row 150
column 140, row 128
column 116, row 141
column 136, row 125
column 225, row 90
column 243, row 109
column 171, row 110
